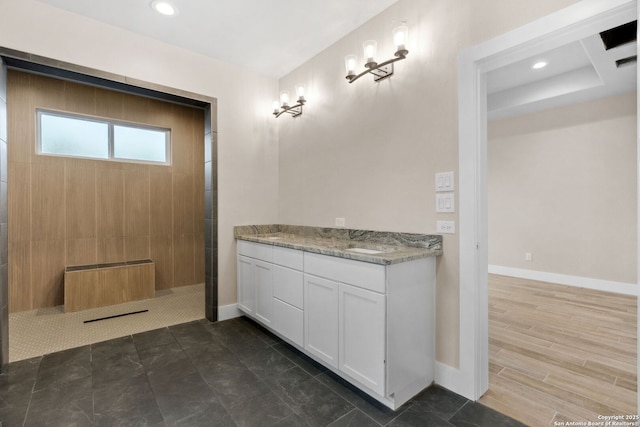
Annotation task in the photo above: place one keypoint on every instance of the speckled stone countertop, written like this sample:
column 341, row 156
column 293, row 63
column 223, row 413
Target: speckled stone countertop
column 376, row 247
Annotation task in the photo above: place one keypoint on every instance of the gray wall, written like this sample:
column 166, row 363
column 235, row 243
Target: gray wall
column 4, row 250
column 210, row 213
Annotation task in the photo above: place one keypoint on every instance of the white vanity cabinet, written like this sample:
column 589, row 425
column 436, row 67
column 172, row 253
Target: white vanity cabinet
column 255, row 281
column 361, row 332
column 246, row 284
column 357, row 311
column 372, row 324
column 321, row 319
column 288, row 294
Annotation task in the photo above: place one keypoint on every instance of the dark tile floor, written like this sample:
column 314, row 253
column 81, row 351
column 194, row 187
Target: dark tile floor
column 231, row 373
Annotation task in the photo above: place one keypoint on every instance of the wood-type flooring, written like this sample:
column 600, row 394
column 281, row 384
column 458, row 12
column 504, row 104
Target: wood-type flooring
column 561, row 354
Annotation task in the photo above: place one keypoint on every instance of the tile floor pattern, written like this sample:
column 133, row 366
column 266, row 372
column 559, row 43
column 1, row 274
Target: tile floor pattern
column 230, row 373
column 38, row 332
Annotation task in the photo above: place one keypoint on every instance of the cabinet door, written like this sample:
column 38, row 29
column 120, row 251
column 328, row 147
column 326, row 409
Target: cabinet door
column 321, row 318
column 362, row 336
column 263, row 279
column 246, row 288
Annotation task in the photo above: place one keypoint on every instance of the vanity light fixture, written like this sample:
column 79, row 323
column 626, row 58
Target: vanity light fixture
column 164, row 7
column 378, row 70
column 279, row 108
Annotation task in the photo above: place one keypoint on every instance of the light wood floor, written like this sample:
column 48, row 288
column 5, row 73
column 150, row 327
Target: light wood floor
column 560, row 353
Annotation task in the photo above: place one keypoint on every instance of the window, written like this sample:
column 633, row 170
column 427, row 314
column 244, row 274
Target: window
column 73, row 135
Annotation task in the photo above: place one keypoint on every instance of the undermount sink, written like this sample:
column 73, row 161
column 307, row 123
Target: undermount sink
column 364, row 251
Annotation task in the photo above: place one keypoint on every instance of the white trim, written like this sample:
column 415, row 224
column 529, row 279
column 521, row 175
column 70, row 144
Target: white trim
column 638, row 211
column 448, row 377
column 570, row 24
column 226, row 312
column 564, row 279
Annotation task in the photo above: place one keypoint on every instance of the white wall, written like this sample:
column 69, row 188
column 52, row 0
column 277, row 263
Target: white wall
column 562, row 186
column 247, row 132
column 368, row 151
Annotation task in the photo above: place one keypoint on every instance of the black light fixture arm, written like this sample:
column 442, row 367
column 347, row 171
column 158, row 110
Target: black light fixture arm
column 381, row 70
column 294, row 110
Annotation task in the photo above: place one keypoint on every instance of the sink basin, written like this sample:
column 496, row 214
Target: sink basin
column 364, row 251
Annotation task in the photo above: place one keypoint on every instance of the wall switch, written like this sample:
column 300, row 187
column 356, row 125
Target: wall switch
column 446, row 227
column 528, row 256
column 444, row 181
column 445, row 203
column 340, row 222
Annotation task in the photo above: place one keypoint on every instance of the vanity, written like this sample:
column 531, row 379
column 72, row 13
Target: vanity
column 359, row 302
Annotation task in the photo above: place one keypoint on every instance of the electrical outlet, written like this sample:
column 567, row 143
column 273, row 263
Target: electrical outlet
column 340, row 222
column 528, row 256
column 446, row 227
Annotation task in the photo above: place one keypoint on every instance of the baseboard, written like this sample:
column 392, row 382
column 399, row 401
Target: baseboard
column 227, row 312
column 452, row 379
column 563, row 279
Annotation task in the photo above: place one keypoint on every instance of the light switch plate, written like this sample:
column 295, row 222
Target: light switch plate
column 445, row 203
column 340, row 222
column 444, row 181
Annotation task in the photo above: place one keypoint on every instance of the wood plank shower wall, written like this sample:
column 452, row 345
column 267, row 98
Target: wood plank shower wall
column 65, row 211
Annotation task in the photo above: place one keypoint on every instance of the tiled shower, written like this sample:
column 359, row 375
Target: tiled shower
column 21, row 60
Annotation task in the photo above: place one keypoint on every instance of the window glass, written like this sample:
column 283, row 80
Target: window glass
column 65, row 134
column 139, row 144
column 73, row 136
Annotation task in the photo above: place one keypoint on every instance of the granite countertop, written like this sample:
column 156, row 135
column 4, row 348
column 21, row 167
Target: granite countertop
column 376, row 247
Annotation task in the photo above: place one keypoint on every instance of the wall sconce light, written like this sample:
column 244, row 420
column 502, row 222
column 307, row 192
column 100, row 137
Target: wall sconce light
column 383, row 69
column 279, row 108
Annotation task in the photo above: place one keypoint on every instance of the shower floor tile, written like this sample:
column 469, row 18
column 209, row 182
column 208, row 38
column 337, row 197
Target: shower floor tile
column 38, row 332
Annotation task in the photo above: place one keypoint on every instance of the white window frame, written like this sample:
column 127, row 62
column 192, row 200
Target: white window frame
column 110, row 123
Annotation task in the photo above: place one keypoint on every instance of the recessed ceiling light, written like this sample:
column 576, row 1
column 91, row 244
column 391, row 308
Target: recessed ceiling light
column 539, row 65
column 164, row 7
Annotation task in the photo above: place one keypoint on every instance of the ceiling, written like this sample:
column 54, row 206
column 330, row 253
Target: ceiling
column 273, row 37
column 580, row 71
column 269, row 37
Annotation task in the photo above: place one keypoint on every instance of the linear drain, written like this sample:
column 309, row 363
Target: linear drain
column 114, row 316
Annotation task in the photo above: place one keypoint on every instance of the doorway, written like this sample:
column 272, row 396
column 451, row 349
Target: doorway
column 563, row 27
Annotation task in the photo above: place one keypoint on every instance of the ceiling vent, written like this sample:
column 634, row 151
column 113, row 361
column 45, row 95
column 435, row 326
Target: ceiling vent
column 619, row 36
column 627, row 61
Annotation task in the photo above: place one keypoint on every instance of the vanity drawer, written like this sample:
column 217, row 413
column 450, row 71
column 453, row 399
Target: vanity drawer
column 288, row 321
column 255, row 250
column 288, row 285
column 291, row 258
column 362, row 274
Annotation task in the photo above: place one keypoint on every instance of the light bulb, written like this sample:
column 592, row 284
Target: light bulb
column 350, row 64
column 400, row 36
column 284, row 98
column 300, row 92
column 370, row 47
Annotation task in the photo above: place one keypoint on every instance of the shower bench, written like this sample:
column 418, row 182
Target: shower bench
column 99, row 285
